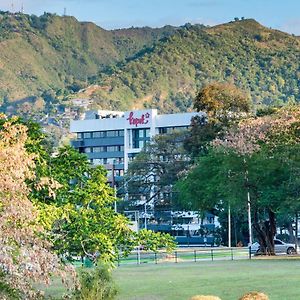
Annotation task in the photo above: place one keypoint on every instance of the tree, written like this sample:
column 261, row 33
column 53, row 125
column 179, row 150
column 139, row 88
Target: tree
column 222, row 101
column 258, row 156
column 157, row 167
column 26, row 256
column 223, row 105
column 75, row 203
column 83, row 221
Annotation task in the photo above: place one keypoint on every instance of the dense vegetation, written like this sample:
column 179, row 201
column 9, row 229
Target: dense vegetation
column 261, row 61
column 141, row 67
column 52, row 52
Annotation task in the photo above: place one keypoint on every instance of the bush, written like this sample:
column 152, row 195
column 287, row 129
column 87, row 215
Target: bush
column 96, row 283
column 6, row 291
column 254, row 296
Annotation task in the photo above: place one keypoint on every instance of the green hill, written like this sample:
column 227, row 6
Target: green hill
column 262, row 61
column 140, row 67
column 52, row 52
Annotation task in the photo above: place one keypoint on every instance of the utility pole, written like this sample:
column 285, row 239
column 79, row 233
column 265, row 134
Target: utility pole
column 249, row 205
column 145, row 212
column 296, row 232
column 249, row 218
column 229, row 226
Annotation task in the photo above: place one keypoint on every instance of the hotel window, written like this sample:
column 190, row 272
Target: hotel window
column 112, row 133
column 96, row 161
column 87, row 135
column 140, row 137
column 120, row 160
column 99, row 149
column 162, row 130
column 147, row 133
column 112, row 148
column 98, row 134
column 87, row 150
column 99, row 161
column 79, row 135
column 119, row 172
column 111, row 161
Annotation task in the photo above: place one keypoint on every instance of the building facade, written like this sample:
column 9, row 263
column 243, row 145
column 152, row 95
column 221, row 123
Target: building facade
column 114, row 138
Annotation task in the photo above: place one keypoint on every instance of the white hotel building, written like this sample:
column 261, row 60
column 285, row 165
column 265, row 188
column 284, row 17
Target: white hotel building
column 114, row 138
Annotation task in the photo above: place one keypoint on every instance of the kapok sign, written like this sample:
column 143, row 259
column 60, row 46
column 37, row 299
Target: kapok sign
column 138, row 118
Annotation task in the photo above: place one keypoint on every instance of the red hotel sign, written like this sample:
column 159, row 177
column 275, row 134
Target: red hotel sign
column 143, row 120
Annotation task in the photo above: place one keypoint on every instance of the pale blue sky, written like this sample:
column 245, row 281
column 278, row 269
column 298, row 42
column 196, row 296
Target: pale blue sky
column 283, row 15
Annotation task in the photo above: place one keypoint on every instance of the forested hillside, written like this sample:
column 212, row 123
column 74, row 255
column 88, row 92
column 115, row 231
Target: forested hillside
column 57, row 53
column 261, row 61
column 51, row 58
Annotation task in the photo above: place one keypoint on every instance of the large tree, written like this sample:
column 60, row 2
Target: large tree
column 223, row 104
column 259, row 156
column 222, row 101
column 74, row 203
column 26, row 255
column 157, row 167
column 81, row 215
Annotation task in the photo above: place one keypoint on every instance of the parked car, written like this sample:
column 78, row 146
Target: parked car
column 280, row 247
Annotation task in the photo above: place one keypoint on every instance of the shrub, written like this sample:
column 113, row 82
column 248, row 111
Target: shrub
column 254, row 296
column 96, row 283
column 6, row 291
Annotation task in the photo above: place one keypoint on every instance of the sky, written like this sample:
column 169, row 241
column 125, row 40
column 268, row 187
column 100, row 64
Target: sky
column 112, row 14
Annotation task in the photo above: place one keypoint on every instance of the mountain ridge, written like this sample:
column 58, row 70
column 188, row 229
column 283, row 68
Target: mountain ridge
column 141, row 67
column 262, row 61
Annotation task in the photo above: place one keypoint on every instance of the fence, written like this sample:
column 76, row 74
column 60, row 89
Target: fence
column 184, row 255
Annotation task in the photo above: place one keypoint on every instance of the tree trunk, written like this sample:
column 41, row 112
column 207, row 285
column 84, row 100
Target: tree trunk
column 296, row 231
column 291, row 232
column 266, row 231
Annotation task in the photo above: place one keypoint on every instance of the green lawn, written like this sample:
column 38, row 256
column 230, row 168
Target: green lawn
column 280, row 279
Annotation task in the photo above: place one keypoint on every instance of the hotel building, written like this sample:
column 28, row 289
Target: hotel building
column 113, row 138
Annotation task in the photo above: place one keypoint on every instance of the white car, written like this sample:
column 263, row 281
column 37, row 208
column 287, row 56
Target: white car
column 280, row 247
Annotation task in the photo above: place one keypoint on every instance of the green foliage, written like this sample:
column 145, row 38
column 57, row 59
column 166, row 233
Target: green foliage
column 80, row 210
column 225, row 174
column 143, row 67
column 201, row 133
column 61, row 52
column 96, row 283
column 153, row 241
column 210, row 183
column 222, row 101
column 6, row 291
column 76, row 206
column 166, row 159
column 193, row 57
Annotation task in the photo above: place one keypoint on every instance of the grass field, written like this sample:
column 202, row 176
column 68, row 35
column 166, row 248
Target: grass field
column 279, row 278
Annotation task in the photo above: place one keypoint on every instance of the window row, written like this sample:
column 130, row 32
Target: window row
column 163, row 130
column 107, row 161
column 98, row 149
column 100, row 134
column 116, row 173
